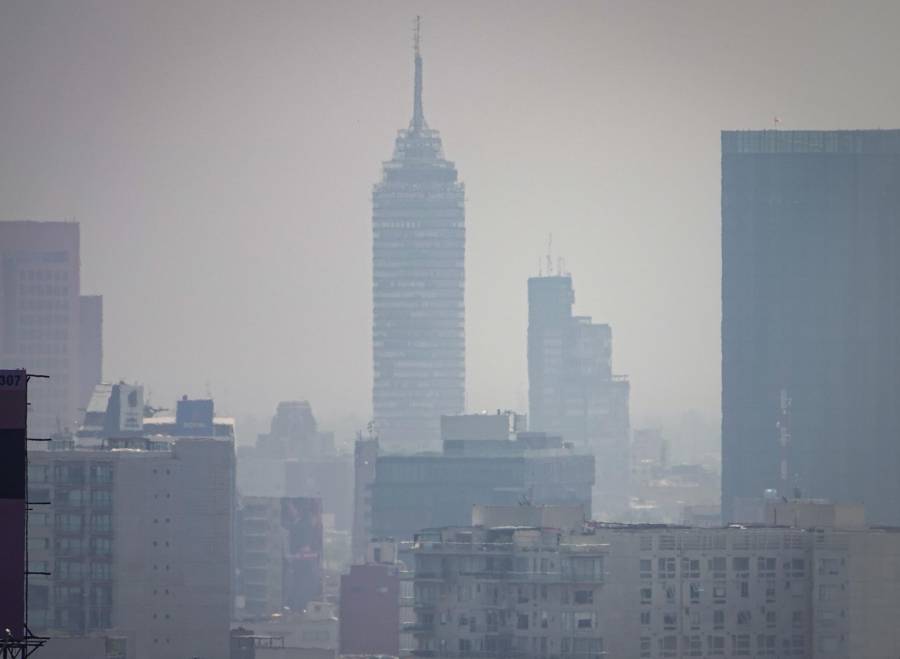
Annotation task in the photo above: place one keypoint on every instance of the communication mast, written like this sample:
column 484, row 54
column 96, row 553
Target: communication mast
column 784, row 440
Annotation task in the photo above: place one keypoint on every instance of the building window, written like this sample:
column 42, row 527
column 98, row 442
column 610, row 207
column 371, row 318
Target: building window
column 668, row 646
column 718, row 619
column 690, row 569
column 100, row 571
column 740, row 564
column 522, row 621
column 696, row 646
column 584, row 620
column 646, row 595
column 645, row 617
column 695, row 593
column 101, row 523
column 584, row 596
column 666, row 568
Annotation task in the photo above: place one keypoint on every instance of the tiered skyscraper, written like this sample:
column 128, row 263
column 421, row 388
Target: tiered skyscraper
column 811, row 317
column 418, row 245
column 572, row 390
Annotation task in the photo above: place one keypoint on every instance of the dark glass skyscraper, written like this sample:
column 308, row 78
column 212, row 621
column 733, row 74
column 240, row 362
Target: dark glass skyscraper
column 418, row 250
column 811, row 317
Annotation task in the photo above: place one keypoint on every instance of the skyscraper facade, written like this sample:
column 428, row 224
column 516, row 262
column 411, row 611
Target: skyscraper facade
column 39, row 317
column 418, row 332
column 811, row 317
column 572, row 390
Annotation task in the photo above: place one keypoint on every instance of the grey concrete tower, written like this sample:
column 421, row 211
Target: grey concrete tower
column 418, row 250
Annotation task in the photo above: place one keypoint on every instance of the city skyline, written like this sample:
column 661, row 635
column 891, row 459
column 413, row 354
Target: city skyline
column 598, row 361
column 282, row 125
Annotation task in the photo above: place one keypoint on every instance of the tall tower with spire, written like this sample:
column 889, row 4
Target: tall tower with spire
column 418, row 250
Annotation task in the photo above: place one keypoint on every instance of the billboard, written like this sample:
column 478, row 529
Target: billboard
column 13, row 470
column 301, row 578
column 131, row 407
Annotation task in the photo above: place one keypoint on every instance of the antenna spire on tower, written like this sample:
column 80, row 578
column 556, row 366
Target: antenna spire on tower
column 418, row 120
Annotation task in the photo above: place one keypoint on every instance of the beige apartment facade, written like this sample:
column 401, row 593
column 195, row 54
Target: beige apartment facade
column 590, row 590
column 137, row 541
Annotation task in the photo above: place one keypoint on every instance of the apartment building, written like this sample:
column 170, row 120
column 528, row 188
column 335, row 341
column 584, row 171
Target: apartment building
column 137, row 541
column 514, row 585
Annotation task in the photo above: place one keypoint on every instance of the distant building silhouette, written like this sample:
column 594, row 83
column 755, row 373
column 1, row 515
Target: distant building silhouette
column 485, row 459
column 572, row 390
column 811, row 317
column 90, row 347
column 418, row 233
column 40, row 327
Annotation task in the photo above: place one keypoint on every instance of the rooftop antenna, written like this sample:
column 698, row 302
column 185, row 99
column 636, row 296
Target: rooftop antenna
column 418, row 120
column 549, row 257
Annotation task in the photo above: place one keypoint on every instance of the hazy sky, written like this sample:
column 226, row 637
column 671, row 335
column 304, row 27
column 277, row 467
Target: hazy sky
column 220, row 158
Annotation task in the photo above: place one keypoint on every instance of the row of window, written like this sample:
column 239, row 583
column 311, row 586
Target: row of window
column 744, row 617
column 719, row 590
column 666, row 568
column 71, row 473
column 740, row 646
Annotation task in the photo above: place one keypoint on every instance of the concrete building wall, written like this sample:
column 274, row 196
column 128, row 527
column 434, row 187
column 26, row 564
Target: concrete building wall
column 370, row 611
column 139, row 542
column 365, row 459
column 658, row 592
